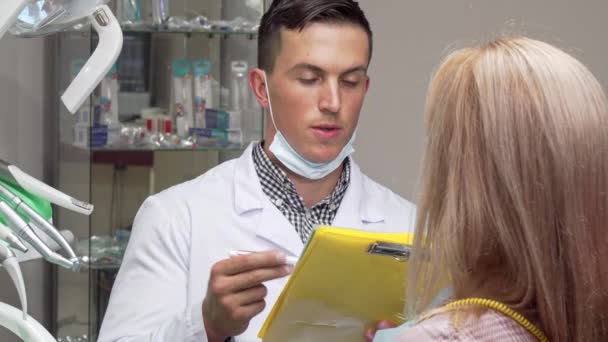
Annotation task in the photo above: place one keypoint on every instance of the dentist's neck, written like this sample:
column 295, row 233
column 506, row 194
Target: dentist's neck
column 312, row 191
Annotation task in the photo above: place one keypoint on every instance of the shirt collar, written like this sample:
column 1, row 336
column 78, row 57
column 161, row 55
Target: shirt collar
column 269, row 170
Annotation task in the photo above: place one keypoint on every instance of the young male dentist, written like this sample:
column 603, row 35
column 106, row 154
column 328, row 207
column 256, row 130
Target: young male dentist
column 177, row 281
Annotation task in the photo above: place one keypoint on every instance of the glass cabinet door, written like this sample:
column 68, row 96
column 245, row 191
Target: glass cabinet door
column 116, row 164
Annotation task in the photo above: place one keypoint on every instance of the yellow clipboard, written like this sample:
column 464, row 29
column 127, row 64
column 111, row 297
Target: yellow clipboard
column 345, row 281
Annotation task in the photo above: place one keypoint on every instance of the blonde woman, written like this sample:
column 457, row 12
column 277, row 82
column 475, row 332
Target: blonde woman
column 515, row 199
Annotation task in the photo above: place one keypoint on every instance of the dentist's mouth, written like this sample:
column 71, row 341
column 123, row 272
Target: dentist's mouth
column 327, row 131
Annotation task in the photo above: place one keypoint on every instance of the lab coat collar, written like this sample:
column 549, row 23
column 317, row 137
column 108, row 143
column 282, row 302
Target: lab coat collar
column 248, row 194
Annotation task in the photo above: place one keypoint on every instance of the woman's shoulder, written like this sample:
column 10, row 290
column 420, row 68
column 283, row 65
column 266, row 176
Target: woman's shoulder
column 489, row 326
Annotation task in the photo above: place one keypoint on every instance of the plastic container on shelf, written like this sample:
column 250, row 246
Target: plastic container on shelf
column 182, row 94
column 239, row 87
column 202, row 91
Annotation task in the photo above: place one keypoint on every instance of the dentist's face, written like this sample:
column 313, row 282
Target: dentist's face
column 317, row 88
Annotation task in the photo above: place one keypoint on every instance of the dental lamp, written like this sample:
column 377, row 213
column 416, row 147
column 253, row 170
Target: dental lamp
column 32, row 18
column 25, row 202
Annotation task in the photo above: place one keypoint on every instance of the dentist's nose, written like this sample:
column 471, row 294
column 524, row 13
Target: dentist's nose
column 330, row 98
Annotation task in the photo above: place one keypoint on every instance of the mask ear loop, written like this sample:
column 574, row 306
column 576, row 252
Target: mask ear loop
column 269, row 102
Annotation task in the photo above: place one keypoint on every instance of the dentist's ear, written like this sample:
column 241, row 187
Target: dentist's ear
column 257, row 82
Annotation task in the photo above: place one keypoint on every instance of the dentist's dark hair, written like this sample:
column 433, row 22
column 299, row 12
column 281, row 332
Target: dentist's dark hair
column 296, row 15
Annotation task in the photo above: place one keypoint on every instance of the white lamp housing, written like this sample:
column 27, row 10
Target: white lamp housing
column 9, row 10
column 100, row 62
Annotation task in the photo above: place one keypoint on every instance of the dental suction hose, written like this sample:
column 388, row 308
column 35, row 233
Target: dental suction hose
column 10, row 263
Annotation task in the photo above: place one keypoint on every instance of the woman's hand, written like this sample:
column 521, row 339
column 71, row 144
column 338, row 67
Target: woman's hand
column 371, row 332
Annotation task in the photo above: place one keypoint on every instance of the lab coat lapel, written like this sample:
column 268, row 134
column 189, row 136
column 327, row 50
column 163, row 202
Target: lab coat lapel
column 248, row 194
column 272, row 225
column 357, row 207
column 275, row 228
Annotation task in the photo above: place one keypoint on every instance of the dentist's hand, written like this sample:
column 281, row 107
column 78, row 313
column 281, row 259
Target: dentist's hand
column 236, row 294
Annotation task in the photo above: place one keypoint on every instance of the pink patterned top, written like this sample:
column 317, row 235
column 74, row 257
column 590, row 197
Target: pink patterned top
column 490, row 326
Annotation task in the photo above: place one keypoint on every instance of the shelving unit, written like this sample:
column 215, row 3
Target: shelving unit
column 116, row 179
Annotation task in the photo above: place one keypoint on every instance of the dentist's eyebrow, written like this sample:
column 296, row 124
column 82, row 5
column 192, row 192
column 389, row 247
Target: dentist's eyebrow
column 317, row 70
column 307, row 67
column 359, row 68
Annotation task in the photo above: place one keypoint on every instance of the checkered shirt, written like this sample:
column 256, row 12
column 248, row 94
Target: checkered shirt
column 282, row 193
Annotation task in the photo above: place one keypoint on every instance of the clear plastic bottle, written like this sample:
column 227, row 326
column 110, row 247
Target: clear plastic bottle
column 160, row 11
column 202, row 89
column 129, row 12
column 109, row 97
column 83, row 119
column 182, row 94
column 239, row 93
column 239, row 89
column 108, row 102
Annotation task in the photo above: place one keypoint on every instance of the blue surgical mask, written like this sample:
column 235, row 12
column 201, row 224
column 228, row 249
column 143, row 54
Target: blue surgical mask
column 294, row 161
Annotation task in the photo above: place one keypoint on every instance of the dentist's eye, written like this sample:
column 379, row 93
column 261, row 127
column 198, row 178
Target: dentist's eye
column 350, row 84
column 308, row 81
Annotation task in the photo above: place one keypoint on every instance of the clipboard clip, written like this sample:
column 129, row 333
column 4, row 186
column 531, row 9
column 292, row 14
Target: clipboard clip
column 398, row 251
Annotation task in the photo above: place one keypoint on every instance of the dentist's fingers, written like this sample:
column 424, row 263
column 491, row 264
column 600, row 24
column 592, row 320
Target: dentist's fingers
column 242, row 298
column 244, row 263
column 235, row 293
column 252, row 278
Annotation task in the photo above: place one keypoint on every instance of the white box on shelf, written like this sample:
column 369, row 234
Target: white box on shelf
column 131, row 103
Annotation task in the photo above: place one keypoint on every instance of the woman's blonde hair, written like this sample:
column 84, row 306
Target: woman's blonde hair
column 514, row 202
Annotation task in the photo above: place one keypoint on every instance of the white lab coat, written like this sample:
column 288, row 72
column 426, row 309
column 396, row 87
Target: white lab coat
column 180, row 233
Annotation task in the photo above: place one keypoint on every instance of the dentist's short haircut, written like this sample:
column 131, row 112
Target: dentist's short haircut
column 296, row 15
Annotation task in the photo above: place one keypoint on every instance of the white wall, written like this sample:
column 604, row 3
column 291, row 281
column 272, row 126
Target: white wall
column 21, row 143
column 411, row 36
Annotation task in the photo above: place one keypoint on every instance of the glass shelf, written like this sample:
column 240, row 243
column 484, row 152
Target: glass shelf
column 83, row 152
column 127, row 29
column 230, row 147
column 164, row 29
